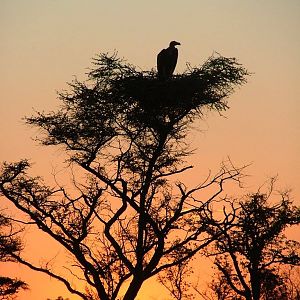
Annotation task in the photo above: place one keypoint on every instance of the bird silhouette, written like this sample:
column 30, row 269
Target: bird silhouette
column 167, row 60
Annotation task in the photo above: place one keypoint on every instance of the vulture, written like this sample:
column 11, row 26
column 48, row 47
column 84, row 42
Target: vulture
column 166, row 61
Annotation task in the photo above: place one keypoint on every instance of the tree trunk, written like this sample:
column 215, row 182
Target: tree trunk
column 133, row 289
column 255, row 284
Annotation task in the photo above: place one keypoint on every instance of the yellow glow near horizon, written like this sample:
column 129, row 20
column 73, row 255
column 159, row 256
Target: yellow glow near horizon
column 45, row 43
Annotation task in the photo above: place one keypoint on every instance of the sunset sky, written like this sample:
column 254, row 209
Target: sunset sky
column 44, row 44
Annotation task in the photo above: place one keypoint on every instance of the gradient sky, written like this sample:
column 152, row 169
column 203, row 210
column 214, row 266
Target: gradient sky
column 44, row 44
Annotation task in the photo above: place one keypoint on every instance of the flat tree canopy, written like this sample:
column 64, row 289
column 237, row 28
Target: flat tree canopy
column 126, row 130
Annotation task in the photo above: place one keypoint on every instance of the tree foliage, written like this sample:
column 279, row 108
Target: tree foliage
column 10, row 245
column 251, row 253
column 126, row 130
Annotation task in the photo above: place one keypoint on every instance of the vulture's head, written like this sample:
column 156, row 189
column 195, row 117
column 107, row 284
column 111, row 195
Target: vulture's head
column 174, row 43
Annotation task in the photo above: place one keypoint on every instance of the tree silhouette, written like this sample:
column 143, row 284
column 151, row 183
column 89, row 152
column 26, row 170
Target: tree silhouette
column 126, row 130
column 251, row 252
column 10, row 245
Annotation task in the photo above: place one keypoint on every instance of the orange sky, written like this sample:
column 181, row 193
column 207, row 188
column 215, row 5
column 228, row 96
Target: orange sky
column 45, row 43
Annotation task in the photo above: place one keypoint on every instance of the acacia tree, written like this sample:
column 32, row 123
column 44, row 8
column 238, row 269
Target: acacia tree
column 10, row 245
column 250, row 255
column 126, row 130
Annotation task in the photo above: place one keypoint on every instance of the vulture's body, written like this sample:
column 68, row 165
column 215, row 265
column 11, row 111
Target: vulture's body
column 167, row 60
